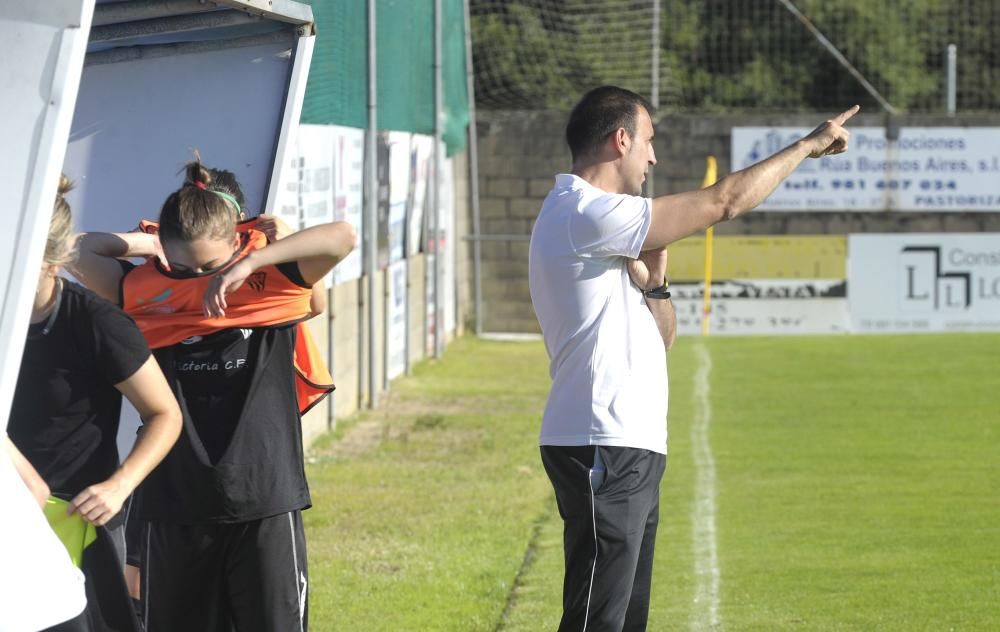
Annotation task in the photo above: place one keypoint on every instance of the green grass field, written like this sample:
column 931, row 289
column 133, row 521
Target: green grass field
column 831, row 483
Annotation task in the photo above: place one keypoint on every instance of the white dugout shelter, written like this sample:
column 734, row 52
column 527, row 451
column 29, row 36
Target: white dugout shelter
column 118, row 95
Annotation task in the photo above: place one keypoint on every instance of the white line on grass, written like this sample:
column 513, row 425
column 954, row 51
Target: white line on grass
column 705, row 614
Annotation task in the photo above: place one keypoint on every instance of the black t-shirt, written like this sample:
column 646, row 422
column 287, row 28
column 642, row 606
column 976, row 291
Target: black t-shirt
column 214, row 373
column 66, row 408
column 240, row 457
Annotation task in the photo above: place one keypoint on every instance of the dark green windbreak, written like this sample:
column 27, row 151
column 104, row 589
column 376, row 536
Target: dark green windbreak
column 337, row 91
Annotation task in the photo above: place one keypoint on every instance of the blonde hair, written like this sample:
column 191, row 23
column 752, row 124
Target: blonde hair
column 60, row 247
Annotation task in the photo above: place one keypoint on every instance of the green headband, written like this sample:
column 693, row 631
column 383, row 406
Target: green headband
column 226, row 196
column 222, row 194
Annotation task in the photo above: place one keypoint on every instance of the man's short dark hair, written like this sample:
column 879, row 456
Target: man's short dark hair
column 598, row 114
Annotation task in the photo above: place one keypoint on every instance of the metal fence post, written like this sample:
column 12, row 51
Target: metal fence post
column 371, row 221
column 438, row 133
column 477, row 250
column 951, row 70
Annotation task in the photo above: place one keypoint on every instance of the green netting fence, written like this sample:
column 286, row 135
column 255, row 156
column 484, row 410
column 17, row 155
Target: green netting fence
column 337, row 91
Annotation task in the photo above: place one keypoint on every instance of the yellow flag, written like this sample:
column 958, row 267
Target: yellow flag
column 711, row 175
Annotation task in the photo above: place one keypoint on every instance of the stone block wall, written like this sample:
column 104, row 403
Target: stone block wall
column 520, row 152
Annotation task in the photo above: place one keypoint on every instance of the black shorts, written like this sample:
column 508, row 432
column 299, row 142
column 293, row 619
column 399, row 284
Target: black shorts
column 250, row 576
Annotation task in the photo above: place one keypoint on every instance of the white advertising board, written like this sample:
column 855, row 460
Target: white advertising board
column 349, row 177
column 442, row 244
column 924, row 282
column 926, row 169
column 314, row 145
column 399, row 192
column 429, row 300
column 395, row 314
column 763, row 307
column 447, row 228
column 286, row 199
column 316, row 188
column 422, row 148
column 324, row 184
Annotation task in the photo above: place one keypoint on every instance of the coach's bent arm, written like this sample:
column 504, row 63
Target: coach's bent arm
column 665, row 318
column 680, row 215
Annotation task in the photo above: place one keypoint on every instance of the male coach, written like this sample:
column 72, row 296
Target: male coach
column 597, row 271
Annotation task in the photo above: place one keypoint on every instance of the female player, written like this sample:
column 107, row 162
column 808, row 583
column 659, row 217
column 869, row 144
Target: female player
column 81, row 355
column 225, row 545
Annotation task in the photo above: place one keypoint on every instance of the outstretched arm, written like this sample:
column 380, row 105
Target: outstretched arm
column 683, row 214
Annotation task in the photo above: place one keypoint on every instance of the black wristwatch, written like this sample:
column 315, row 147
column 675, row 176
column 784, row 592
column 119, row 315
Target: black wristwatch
column 658, row 292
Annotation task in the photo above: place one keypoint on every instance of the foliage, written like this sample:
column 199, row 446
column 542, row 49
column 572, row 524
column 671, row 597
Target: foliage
column 725, row 55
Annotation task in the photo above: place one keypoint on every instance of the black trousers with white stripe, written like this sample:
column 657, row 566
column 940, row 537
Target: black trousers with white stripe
column 247, row 576
column 608, row 534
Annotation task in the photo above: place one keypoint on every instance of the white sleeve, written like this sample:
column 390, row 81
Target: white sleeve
column 611, row 225
column 40, row 586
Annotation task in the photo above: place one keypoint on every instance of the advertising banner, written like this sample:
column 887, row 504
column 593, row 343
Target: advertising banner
column 315, row 146
column 760, row 257
column 442, row 244
column 925, row 169
column 429, row 301
column 764, row 307
column 421, row 151
column 395, row 314
column 399, row 192
column 348, row 191
column 447, row 242
column 326, row 184
column 286, row 201
column 924, row 282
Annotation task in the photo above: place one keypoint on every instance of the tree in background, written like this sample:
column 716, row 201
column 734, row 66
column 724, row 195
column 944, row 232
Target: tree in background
column 720, row 55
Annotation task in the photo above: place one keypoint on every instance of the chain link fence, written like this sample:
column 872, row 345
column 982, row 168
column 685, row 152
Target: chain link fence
column 745, row 55
column 708, row 65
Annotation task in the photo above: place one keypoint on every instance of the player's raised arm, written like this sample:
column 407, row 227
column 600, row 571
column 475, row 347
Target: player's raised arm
column 316, row 249
column 683, row 214
column 96, row 263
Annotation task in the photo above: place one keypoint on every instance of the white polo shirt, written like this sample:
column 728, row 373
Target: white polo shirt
column 607, row 360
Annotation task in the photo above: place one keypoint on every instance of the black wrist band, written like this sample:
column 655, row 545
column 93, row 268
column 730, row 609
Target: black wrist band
column 657, row 292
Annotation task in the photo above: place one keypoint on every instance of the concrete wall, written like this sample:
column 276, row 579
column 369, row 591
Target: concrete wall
column 520, row 152
column 346, row 321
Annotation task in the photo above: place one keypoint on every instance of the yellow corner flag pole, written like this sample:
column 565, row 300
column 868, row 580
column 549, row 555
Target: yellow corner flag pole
column 711, row 175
